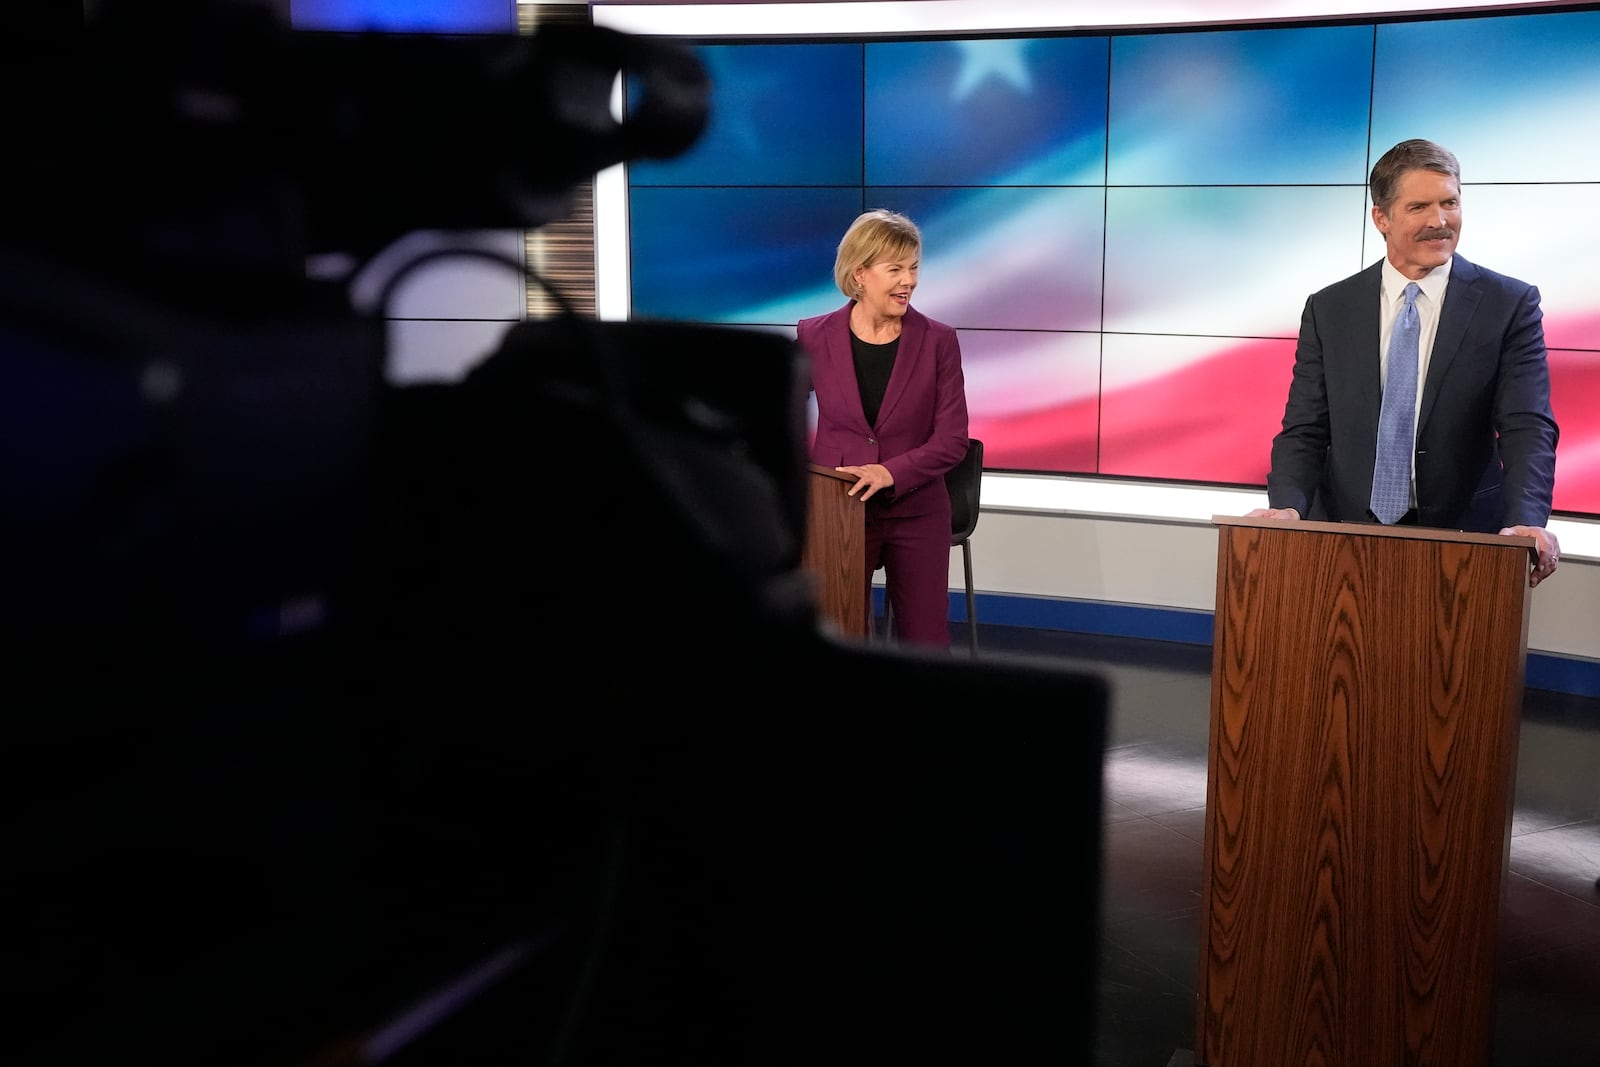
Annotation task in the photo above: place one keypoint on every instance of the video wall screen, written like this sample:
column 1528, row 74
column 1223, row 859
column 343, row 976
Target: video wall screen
column 404, row 16
column 1125, row 227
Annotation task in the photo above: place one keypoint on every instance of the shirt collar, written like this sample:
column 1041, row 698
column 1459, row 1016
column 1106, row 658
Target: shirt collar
column 1432, row 284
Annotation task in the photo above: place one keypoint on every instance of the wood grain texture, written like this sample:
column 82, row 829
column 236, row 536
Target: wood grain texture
column 835, row 551
column 562, row 250
column 562, row 253
column 1365, row 703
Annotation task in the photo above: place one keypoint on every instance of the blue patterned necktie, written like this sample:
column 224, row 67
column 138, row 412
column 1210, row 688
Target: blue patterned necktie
column 1391, row 475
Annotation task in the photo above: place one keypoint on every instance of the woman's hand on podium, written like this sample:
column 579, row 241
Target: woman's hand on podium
column 873, row 477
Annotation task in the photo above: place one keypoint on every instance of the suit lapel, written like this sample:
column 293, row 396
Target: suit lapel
column 1368, row 323
column 841, row 360
column 1461, row 298
column 905, row 358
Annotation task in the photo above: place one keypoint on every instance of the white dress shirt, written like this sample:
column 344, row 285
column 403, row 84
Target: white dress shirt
column 1429, row 301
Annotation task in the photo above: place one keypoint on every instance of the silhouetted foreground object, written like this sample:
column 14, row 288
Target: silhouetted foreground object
column 206, row 138
column 351, row 723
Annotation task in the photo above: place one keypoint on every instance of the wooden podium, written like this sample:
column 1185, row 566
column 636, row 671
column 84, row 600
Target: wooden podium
column 1365, row 705
column 835, row 551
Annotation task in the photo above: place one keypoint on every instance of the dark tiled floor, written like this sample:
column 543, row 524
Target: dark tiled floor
column 1151, row 882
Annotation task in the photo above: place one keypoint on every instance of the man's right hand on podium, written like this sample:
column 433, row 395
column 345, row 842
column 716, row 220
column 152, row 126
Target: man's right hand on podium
column 1272, row 513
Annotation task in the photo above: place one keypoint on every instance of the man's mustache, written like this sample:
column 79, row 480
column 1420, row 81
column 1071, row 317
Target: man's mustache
column 1436, row 235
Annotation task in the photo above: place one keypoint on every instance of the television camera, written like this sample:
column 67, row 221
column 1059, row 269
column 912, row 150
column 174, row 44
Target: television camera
column 359, row 723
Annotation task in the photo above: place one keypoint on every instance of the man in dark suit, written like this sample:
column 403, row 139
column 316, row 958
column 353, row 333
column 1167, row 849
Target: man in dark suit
column 1484, row 448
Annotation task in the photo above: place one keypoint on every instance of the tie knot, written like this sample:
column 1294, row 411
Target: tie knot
column 1412, row 289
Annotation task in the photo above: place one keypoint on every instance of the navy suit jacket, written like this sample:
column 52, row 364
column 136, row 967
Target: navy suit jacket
column 1486, row 437
column 921, row 430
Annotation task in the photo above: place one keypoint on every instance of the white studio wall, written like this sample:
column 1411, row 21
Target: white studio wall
column 1165, row 563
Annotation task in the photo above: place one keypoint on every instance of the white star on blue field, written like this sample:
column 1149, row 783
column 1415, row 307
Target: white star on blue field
column 985, row 111
column 981, row 60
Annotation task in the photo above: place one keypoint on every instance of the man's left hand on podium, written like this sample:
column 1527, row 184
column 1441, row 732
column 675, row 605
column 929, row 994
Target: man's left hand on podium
column 1544, row 557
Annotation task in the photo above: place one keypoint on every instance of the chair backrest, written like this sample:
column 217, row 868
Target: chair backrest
column 965, row 480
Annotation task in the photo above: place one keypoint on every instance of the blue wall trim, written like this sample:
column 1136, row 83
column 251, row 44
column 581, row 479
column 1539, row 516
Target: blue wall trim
column 1545, row 670
column 1563, row 674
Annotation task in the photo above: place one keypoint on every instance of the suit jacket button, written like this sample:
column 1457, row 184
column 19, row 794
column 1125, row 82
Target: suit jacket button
column 872, row 440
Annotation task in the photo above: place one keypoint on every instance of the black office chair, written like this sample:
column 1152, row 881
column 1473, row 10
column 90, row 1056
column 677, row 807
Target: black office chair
column 965, row 484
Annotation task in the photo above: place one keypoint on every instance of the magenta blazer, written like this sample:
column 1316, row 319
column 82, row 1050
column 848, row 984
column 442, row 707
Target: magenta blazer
column 922, row 424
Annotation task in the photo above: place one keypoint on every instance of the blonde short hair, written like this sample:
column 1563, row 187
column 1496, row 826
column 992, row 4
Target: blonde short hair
column 874, row 237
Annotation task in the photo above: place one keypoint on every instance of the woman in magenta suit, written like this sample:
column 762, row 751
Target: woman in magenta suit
column 892, row 413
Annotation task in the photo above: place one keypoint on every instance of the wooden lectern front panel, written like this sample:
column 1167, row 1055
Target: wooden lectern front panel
column 835, row 554
column 1366, row 695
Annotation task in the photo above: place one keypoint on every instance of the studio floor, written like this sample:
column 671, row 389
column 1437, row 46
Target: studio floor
column 1155, row 783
